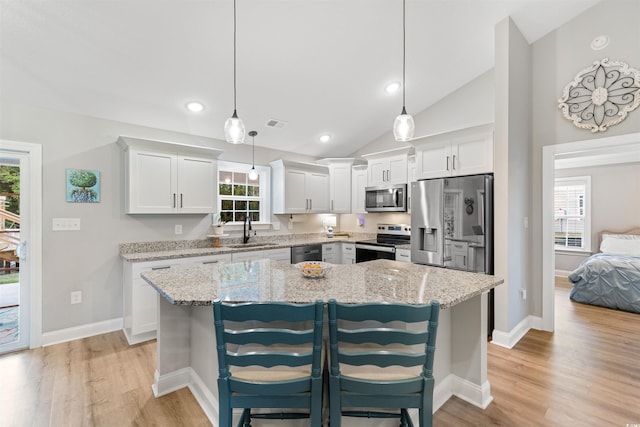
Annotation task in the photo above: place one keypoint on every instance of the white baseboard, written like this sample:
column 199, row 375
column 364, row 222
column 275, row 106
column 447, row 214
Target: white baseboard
column 562, row 273
column 167, row 383
column 79, row 332
column 511, row 338
column 205, row 398
column 442, row 391
column 479, row 396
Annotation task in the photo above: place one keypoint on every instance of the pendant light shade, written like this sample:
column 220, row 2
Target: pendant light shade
column 253, row 173
column 233, row 127
column 403, row 125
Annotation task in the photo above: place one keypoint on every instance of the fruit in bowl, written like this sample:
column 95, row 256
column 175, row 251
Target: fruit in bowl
column 313, row 269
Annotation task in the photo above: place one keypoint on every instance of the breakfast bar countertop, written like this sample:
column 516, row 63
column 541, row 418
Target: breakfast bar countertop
column 267, row 280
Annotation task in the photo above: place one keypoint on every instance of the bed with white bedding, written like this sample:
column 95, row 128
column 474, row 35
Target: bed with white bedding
column 611, row 278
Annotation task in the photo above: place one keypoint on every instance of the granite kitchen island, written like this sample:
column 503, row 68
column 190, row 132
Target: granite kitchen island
column 186, row 353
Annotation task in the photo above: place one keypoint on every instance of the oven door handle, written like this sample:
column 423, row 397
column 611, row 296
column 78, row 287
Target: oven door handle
column 376, row 248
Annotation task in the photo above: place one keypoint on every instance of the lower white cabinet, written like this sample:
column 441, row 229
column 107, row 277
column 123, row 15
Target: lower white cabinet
column 348, row 253
column 403, row 255
column 141, row 300
column 331, row 253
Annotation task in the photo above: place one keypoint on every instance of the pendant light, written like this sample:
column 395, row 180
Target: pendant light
column 403, row 125
column 233, row 127
column 253, row 174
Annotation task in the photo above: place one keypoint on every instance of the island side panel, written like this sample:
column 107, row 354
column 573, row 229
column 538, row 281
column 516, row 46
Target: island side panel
column 204, row 361
column 173, row 347
column 469, row 351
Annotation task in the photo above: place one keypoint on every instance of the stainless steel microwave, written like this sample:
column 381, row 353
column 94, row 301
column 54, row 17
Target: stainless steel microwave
column 387, row 198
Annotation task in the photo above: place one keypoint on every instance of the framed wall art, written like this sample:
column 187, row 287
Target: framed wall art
column 83, row 186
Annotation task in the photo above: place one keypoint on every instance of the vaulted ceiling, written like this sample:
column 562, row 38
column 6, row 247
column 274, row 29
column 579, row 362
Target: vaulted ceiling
column 315, row 66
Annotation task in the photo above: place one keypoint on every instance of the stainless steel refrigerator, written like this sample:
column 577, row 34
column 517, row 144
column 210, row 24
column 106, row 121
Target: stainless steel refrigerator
column 452, row 225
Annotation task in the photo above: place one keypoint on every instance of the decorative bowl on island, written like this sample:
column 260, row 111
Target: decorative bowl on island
column 313, row 269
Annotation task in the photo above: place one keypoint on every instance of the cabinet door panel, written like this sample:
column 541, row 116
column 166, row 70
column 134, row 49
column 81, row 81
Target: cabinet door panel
column 434, row 160
column 153, row 182
column 340, row 190
column 145, row 307
column 359, row 182
column 196, row 184
column 473, row 154
column 295, row 196
column 317, row 190
column 377, row 172
column 397, row 172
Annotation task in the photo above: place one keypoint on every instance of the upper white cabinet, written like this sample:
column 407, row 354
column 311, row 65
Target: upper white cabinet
column 387, row 167
column 299, row 187
column 358, row 185
column 339, row 184
column 164, row 177
column 464, row 152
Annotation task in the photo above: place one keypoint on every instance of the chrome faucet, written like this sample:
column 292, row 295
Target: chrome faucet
column 245, row 232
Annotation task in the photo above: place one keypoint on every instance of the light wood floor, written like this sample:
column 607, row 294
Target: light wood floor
column 587, row 373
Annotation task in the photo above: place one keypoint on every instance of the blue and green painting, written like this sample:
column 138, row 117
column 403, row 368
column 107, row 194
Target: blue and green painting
column 83, row 186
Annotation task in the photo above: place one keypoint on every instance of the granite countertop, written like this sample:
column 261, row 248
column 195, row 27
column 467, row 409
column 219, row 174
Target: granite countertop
column 152, row 251
column 267, row 280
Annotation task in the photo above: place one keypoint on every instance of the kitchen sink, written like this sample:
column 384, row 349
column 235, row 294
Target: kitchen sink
column 249, row 245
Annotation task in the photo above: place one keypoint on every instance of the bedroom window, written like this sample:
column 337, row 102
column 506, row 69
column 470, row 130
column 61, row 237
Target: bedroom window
column 239, row 196
column 572, row 228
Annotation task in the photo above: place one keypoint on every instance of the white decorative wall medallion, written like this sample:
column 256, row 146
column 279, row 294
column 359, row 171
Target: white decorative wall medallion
column 602, row 95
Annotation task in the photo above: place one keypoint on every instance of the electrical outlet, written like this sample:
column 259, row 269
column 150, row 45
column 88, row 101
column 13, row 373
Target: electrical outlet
column 76, row 297
column 177, row 229
column 290, row 225
column 523, row 294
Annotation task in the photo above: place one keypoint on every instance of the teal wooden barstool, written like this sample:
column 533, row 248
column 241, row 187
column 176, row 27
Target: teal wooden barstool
column 269, row 357
column 377, row 364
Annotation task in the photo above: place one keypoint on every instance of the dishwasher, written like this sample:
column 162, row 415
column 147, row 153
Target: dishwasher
column 306, row 253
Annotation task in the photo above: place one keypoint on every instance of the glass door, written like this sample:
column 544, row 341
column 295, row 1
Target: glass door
column 14, row 289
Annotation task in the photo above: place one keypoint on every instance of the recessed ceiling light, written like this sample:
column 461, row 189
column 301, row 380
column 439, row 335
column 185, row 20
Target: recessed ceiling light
column 195, row 107
column 392, row 87
column 325, row 138
column 600, row 42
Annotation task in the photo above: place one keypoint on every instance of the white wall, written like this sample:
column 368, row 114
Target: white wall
column 557, row 58
column 512, row 178
column 614, row 204
column 470, row 105
column 88, row 260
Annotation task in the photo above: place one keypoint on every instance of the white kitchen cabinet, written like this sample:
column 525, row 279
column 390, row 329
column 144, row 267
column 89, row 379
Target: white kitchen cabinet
column 140, row 300
column 465, row 152
column 163, row 177
column 348, row 253
column 331, row 253
column 339, row 184
column 299, row 187
column 387, row 167
column 403, row 255
column 358, row 185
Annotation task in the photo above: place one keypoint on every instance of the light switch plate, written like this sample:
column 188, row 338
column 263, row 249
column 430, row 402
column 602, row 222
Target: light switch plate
column 66, row 224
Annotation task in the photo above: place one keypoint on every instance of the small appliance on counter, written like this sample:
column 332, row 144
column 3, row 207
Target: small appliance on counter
column 329, row 231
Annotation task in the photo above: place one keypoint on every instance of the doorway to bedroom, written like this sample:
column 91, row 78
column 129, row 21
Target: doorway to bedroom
column 608, row 162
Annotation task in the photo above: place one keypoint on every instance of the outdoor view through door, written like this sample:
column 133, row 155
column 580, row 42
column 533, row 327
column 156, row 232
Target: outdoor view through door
column 9, row 250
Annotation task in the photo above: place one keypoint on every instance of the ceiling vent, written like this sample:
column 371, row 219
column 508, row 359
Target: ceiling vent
column 276, row 124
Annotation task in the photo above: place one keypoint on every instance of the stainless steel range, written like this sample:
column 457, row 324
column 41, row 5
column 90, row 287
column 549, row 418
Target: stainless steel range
column 384, row 245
